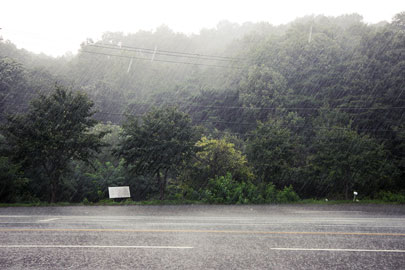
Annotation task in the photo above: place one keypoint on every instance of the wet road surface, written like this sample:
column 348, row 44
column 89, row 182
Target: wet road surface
column 203, row 237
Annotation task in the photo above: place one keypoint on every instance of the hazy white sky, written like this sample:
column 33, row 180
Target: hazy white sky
column 57, row 26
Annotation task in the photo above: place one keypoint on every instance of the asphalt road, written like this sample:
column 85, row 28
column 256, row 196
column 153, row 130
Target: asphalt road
column 203, row 237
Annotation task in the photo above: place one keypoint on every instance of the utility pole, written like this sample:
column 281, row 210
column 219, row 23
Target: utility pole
column 154, row 53
column 310, row 35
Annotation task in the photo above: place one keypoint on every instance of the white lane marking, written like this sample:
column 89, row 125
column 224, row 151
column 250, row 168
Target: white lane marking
column 48, row 220
column 207, row 224
column 14, row 216
column 92, row 246
column 137, row 217
column 358, row 225
column 335, row 225
column 340, row 250
column 18, row 222
column 327, row 211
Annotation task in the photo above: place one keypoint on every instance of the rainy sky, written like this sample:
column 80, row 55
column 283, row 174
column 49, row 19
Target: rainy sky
column 55, row 27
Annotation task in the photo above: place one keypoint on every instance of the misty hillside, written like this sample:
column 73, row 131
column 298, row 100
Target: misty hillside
column 278, row 95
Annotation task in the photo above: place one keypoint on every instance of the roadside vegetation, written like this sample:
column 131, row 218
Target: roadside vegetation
column 291, row 118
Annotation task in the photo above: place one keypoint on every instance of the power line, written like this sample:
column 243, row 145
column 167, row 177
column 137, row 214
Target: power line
column 189, row 104
column 159, row 60
column 249, row 124
column 182, row 54
column 292, row 108
column 157, row 52
column 254, row 123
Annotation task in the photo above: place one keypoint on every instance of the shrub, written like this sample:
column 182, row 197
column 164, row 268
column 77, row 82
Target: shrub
column 225, row 190
column 221, row 190
column 287, row 195
column 388, row 196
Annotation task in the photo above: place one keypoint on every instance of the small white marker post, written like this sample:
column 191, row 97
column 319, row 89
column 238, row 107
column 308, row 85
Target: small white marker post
column 354, row 195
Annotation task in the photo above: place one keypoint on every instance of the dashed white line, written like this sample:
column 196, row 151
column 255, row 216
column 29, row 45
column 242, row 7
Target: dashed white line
column 340, row 250
column 93, row 246
column 48, row 220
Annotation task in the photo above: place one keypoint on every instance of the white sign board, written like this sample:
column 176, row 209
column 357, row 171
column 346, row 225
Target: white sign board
column 118, row 192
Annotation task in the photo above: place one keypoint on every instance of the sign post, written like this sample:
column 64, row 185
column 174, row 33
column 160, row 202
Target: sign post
column 354, row 195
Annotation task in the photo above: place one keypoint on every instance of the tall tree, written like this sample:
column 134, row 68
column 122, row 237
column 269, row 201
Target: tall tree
column 344, row 161
column 273, row 151
column 54, row 132
column 158, row 145
column 11, row 82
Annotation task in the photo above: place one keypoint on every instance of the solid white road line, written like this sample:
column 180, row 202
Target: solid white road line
column 92, row 246
column 340, row 250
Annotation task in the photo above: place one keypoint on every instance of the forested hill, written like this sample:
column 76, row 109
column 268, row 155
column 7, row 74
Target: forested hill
column 289, row 97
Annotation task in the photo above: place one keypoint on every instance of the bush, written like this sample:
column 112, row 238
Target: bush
column 221, row 190
column 287, row 195
column 225, row 190
column 388, row 196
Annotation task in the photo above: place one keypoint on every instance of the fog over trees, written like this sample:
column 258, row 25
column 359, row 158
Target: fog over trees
column 242, row 113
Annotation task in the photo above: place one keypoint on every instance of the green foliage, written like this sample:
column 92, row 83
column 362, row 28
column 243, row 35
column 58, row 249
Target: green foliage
column 344, row 160
column 12, row 182
column 12, row 81
column 159, row 145
column 11, row 76
column 111, row 141
column 388, row 196
column 53, row 133
column 225, row 190
column 216, row 158
column 317, row 104
column 287, row 195
column 262, row 87
column 92, row 182
column 274, row 152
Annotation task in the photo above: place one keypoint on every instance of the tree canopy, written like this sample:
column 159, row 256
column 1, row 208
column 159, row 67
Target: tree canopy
column 53, row 132
column 158, row 145
column 315, row 106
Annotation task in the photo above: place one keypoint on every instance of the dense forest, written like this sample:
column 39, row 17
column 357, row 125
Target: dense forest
column 250, row 113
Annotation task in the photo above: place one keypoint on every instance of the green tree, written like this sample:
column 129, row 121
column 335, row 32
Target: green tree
column 92, row 182
column 158, row 145
column 215, row 158
column 54, row 132
column 273, row 151
column 262, row 86
column 343, row 161
column 399, row 21
column 12, row 181
column 12, row 79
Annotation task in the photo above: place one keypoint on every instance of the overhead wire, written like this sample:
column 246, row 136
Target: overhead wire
column 166, row 53
column 159, row 60
column 191, row 104
column 208, row 57
column 251, row 123
column 233, row 107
